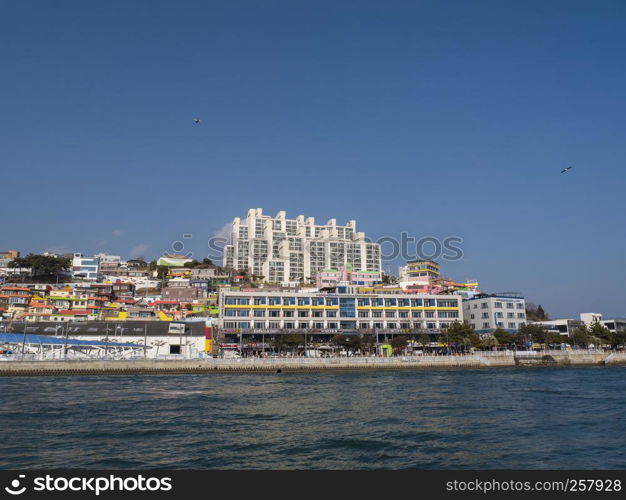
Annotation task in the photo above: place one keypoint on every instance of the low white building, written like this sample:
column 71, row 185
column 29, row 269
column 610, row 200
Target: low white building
column 563, row 326
column 87, row 268
column 613, row 324
column 105, row 258
column 488, row 312
column 164, row 338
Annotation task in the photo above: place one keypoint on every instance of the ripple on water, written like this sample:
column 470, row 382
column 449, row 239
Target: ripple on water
column 517, row 418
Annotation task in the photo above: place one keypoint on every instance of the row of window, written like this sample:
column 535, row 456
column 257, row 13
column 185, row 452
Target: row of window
column 333, row 301
column 500, row 324
column 331, row 325
column 498, row 305
column 500, row 315
column 277, row 313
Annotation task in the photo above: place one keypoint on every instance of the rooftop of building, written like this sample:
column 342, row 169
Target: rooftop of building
column 500, row 295
column 423, row 261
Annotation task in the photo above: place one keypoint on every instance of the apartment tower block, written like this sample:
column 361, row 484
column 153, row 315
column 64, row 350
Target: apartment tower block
column 283, row 250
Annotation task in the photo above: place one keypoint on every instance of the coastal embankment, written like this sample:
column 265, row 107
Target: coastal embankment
column 185, row 366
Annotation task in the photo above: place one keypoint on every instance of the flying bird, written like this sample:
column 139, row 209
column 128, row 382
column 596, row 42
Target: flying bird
column 196, row 120
column 567, row 169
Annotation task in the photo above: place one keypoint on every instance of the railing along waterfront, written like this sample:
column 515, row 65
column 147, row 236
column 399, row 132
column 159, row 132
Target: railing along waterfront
column 326, row 360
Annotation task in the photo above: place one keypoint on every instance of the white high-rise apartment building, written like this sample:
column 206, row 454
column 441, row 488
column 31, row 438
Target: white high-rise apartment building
column 286, row 250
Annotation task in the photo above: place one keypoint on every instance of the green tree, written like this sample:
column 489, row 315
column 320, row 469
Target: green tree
column 464, row 329
column 522, row 338
column 503, row 337
column 541, row 314
column 475, row 340
column 277, row 342
column 601, row 332
column 536, row 333
column 458, row 334
column 348, row 342
column 620, row 338
column 424, row 340
column 535, row 313
column 368, row 342
column 580, row 336
column 553, row 338
column 162, row 271
column 293, row 340
column 398, row 344
column 489, row 341
column 43, row 265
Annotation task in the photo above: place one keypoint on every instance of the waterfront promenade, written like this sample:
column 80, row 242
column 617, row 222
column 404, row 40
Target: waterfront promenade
column 183, row 366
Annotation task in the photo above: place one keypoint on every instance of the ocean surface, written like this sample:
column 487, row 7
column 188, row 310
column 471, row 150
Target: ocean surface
column 530, row 418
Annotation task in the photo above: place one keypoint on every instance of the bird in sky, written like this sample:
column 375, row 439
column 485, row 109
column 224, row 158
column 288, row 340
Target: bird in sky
column 196, row 120
column 567, row 169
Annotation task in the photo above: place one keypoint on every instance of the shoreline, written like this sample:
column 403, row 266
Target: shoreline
column 294, row 365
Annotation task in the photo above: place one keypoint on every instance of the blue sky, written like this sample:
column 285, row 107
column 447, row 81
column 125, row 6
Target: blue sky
column 438, row 118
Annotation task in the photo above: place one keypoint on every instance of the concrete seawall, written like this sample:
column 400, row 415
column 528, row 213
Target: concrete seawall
column 164, row 367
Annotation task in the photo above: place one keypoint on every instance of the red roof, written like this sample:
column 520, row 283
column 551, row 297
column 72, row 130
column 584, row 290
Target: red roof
column 125, row 301
column 15, row 288
column 76, row 312
column 172, row 302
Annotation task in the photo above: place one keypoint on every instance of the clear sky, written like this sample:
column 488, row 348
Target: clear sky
column 438, row 118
